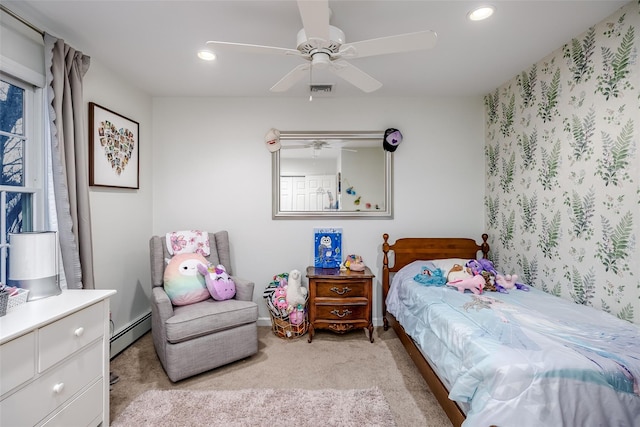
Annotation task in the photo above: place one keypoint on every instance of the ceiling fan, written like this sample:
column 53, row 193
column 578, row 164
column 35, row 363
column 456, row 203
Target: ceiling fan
column 323, row 46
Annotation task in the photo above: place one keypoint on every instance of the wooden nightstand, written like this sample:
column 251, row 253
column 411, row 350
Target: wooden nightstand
column 340, row 300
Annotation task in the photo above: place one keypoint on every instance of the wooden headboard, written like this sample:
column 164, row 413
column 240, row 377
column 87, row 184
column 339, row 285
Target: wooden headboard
column 411, row 249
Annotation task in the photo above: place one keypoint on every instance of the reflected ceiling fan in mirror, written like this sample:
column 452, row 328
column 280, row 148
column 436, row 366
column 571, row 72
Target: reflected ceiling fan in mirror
column 323, row 46
column 318, row 145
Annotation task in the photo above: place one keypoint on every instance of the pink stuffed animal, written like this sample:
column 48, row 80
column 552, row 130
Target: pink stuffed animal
column 475, row 284
column 280, row 298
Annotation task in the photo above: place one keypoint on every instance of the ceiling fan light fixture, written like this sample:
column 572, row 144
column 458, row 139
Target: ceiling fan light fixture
column 481, row 13
column 206, row 55
column 320, row 60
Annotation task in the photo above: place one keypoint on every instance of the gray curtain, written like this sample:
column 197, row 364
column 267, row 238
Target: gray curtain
column 65, row 68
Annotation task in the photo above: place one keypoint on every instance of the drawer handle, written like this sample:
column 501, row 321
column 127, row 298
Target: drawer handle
column 58, row 388
column 344, row 312
column 78, row 332
column 341, row 292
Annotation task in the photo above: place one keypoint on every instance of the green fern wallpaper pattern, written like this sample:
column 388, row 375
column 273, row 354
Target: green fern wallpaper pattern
column 562, row 204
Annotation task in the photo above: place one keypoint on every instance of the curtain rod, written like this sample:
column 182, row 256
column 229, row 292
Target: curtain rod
column 21, row 19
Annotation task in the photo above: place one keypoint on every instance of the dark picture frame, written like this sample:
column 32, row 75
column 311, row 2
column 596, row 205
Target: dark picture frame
column 114, row 148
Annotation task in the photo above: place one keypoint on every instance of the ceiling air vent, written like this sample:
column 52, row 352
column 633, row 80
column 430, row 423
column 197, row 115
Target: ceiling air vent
column 321, row 88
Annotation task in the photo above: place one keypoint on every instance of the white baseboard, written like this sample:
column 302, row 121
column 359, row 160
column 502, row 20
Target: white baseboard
column 129, row 334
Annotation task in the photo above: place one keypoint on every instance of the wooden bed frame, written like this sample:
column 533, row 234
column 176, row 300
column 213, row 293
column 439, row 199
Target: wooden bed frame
column 406, row 251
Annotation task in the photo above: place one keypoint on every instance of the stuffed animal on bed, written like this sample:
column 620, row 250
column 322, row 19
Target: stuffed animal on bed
column 430, row 275
column 474, row 283
column 502, row 282
column 477, row 268
column 220, row 285
column 182, row 283
column 458, row 272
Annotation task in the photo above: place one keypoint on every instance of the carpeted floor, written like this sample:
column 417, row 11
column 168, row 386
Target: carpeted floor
column 258, row 408
column 331, row 361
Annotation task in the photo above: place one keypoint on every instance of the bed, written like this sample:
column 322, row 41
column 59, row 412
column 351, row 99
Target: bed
column 524, row 358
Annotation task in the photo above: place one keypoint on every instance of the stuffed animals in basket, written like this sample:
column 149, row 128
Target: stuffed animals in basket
column 275, row 295
column 296, row 297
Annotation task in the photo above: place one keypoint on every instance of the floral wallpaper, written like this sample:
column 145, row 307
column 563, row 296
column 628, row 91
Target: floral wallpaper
column 562, row 204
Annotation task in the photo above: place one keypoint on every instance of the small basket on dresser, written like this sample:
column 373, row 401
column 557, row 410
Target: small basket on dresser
column 17, row 299
column 4, row 302
column 9, row 301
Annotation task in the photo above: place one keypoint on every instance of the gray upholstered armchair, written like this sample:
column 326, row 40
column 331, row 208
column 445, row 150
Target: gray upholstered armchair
column 195, row 338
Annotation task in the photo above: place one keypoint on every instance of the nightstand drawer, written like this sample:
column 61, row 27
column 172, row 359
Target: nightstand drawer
column 342, row 289
column 342, row 312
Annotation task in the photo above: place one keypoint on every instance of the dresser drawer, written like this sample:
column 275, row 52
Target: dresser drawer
column 85, row 410
column 31, row 404
column 342, row 312
column 342, row 289
column 69, row 334
column 17, row 361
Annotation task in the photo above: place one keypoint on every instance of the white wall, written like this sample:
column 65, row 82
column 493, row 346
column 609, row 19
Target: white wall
column 121, row 218
column 212, row 171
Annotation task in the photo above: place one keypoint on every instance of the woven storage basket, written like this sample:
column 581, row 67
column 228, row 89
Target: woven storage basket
column 281, row 324
column 283, row 328
column 4, row 301
column 17, row 300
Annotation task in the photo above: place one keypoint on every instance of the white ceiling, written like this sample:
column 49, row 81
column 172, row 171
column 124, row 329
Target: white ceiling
column 153, row 44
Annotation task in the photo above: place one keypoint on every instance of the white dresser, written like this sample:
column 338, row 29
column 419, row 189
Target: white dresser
column 54, row 361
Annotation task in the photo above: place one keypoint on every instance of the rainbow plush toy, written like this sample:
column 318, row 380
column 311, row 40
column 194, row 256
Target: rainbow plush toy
column 182, row 283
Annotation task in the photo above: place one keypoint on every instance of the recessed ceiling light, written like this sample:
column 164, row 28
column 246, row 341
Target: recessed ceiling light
column 207, row 55
column 482, row 12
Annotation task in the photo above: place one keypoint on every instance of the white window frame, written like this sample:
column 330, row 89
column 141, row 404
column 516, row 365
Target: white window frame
column 34, row 163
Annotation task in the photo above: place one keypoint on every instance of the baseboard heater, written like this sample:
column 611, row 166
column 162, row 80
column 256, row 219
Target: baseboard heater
column 129, row 334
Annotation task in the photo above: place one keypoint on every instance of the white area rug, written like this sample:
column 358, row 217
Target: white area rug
column 258, row 407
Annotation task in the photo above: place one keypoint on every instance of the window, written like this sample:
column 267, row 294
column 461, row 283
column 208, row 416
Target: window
column 21, row 164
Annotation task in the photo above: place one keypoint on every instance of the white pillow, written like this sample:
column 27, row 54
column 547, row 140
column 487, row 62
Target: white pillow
column 448, row 263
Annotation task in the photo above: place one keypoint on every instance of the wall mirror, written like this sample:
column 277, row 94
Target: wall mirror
column 332, row 174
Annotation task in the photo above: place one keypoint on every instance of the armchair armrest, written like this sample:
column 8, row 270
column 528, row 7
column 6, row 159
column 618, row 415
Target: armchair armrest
column 244, row 289
column 161, row 303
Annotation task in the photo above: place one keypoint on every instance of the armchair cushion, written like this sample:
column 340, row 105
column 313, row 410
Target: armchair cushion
column 207, row 317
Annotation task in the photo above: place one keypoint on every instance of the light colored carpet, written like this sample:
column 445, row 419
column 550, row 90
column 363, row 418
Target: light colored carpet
column 258, row 407
column 330, row 362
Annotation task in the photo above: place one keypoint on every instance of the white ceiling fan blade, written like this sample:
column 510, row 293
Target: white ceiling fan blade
column 251, row 48
column 291, row 78
column 392, row 44
column 355, row 76
column 315, row 18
